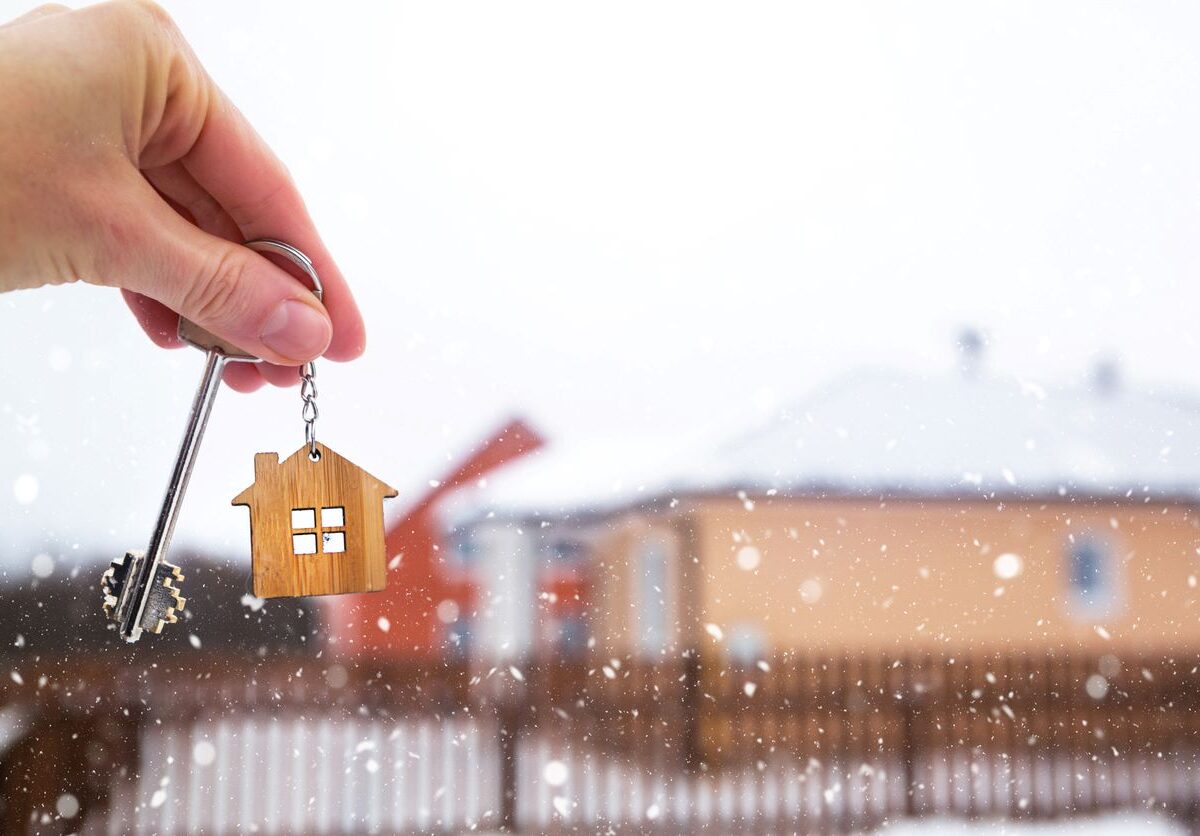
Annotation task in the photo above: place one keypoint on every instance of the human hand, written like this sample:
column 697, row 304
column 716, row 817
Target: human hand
column 122, row 164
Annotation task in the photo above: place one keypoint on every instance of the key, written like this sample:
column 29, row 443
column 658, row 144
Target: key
column 132, row 582
column 141, row 589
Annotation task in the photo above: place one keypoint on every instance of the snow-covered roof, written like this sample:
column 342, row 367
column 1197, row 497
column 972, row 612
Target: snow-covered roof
column 564, row 479
column 887, row 433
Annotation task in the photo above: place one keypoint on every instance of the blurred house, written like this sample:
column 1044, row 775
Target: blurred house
column 425, row 611
column 886, row 512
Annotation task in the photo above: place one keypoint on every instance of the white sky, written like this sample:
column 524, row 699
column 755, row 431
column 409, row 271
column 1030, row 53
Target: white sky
column 636, row 219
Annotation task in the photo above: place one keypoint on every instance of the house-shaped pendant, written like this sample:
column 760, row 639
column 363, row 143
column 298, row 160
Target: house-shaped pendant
column 316, row 525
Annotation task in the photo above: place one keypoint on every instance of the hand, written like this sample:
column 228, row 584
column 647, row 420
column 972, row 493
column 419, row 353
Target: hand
column 122, row 164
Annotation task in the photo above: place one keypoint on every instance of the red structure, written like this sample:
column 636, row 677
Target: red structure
column 420, row 577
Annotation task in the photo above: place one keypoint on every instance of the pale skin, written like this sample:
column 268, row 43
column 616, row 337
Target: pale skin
column 122, row 164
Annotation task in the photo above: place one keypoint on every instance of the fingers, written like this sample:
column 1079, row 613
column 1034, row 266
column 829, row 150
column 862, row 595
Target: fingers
column 242, row 377
column 160, row 323
column 230, row 162
column 223, row 287
column 184, row 195
column 198, row 150
column 279, row 375
column 180, row 189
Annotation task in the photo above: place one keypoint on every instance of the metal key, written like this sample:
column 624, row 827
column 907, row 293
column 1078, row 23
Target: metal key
column 142, row 590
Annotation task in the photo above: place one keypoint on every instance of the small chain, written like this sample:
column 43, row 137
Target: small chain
column 308, row 394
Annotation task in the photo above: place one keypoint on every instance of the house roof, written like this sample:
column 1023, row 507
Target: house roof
column 890, row 433
column 329, row 459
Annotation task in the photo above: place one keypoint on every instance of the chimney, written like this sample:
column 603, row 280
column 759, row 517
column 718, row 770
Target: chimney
column 1106, row 377
column 971, row 345
column 265, row 465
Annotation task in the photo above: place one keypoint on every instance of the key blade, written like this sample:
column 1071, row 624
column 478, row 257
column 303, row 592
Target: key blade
column 131, row 605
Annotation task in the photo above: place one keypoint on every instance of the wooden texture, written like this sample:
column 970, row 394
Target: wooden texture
column 298, row 483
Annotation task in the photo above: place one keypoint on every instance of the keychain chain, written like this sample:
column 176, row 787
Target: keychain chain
column 308, row 394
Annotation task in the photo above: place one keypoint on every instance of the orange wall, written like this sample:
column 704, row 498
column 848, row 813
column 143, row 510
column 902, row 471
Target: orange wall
column 903, row 574
column 618, row 618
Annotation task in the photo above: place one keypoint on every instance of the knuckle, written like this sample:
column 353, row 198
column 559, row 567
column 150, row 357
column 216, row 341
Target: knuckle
column 142, row 14
column 248, row 210
column 212, row 296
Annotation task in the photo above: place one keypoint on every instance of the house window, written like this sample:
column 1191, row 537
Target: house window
column 327, row 530
column 567, row 551
column 458, row 638
column 652, row 630
column 1091, row 574
column 747, row 643
column 463, row 547
column 572, row 637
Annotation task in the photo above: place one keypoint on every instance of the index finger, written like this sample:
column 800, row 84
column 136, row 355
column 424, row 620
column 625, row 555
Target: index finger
column 232, row 163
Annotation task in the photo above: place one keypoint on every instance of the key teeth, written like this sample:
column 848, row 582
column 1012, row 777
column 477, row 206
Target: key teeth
column 111, row 583
column 171, row 577
column 165, row 601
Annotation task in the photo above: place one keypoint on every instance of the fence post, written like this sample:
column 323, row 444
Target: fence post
column 691, row 744
column 908, row 742
column 509, row 724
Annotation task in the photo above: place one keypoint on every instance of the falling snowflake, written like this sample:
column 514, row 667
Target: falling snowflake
column 555, row 773
column 252, row 602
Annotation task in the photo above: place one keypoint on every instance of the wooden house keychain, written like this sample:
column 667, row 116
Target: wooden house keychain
column 316, row 519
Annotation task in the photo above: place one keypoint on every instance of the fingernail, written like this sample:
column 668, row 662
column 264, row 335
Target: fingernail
column 296, row 331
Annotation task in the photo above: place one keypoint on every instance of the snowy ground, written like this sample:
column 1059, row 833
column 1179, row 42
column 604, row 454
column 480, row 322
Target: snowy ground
column 1123, row 824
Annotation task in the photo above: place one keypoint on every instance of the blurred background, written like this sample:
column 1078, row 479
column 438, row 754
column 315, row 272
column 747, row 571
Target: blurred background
column 793, row 409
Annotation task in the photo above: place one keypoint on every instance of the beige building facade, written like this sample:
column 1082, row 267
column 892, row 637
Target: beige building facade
column 749, row 577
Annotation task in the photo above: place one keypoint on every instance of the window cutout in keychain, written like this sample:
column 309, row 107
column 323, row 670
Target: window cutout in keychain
column 334, row 542
column 304, row 518
column 304, row 543
column 333, row 518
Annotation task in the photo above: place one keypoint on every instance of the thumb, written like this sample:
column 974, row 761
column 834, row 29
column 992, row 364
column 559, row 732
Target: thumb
column 227, row 289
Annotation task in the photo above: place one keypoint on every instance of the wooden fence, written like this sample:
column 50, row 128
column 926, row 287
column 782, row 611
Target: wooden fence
column 799, row 743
